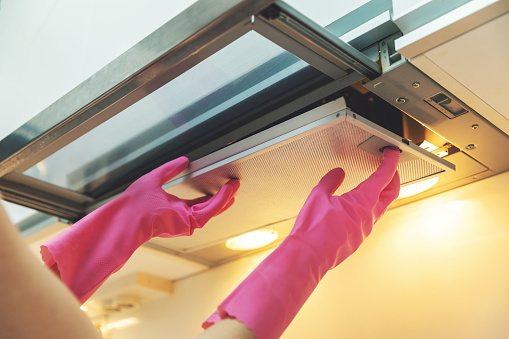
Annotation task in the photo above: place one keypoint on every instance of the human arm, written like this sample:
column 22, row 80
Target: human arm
column 328, row 229
column 98, row 245
column 34, row 303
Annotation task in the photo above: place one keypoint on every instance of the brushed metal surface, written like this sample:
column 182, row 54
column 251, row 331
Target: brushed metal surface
column 277, row 174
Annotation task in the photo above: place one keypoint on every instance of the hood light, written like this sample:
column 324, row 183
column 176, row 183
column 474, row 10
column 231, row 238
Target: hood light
column 417, row 188
column 428, row 146
column 252, row 240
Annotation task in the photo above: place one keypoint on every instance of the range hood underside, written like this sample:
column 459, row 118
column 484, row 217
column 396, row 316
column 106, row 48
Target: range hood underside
column 278, row 168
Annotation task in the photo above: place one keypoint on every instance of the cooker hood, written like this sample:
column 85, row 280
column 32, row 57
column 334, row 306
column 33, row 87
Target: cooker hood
column 278, row 168
column 255, row 90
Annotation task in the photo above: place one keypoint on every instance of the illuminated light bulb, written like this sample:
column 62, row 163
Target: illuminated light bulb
column 83, row 308
column 428, row 146
column 417, row 188
column 252, row 240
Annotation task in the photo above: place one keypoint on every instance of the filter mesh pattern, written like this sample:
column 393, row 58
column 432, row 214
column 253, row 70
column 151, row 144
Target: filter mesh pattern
column 276, row 181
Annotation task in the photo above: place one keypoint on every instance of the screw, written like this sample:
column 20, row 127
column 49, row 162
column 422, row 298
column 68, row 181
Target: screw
column 416, row 84
column 470, row 146
column 475, row 126
column 401, row 100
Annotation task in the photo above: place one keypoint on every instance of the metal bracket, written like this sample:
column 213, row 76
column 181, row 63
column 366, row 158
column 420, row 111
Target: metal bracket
column 389, row 57
column 374, row 146
column 270, row 13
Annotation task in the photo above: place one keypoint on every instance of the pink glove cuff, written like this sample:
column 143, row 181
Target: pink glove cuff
column 327, row 230
column 98, row 245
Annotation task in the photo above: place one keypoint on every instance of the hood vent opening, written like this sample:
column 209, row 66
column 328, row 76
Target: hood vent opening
column 278, row 168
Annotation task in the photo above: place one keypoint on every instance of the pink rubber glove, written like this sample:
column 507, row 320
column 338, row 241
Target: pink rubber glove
column 98, row 245
column 328, row 229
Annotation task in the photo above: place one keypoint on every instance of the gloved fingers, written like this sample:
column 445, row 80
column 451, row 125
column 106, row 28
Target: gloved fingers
column 383, row 175
column 388, row 195
column 331, row 181
column 227, row 206
column 385, row 172
column 214, row 205
column 391, row 191
column 165, row 172
column 192, row 202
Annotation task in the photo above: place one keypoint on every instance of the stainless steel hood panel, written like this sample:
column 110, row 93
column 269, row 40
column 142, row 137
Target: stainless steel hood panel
column 470, row 132
column 160, row 82
column 279, row 167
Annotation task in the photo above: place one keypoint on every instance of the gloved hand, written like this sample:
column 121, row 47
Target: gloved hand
column 98, row 245
column 328, row 229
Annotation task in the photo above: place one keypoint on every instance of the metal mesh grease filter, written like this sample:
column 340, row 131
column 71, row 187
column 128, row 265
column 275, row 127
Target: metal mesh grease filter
column 276, row 180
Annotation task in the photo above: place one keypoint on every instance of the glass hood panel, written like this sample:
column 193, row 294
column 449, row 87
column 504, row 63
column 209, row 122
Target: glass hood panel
column 215, row 92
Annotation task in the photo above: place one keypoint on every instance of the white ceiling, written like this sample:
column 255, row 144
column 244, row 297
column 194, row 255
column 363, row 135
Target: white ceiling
column 478, row 60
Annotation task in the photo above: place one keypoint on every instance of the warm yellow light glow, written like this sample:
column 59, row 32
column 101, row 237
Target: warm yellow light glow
column 428, row 146
column 455, row 206
column 442, row 222
column 251, row 240
column 83, row 307
column 121, row 323
column 417, row 188
column 441, row 154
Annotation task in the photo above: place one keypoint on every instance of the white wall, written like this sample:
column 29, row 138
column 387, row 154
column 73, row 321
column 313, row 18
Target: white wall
column 437, row 268
column 50, row 46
